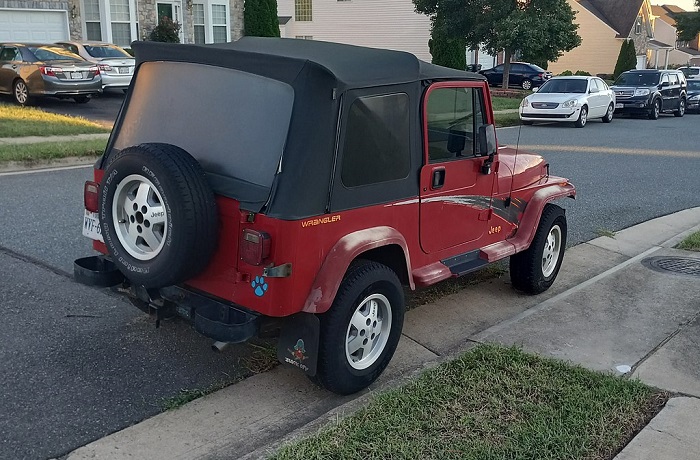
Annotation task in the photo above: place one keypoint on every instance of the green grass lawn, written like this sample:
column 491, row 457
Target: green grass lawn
column 507, row 119
column 18, row 121
column 505, row 103
column 691, row 243
column 492, row 403
column 30, row 153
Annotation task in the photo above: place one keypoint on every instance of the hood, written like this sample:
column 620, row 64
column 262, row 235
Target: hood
column 526, row 168
column 693, row 92
column 553, row 97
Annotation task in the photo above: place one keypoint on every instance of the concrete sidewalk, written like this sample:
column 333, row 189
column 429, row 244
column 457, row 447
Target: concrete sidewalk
column 607, row 311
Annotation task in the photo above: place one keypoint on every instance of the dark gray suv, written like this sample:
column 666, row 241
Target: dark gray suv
column 651, row 92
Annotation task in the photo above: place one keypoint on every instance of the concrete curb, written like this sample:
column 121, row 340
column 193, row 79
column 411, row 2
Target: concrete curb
column 45, row 139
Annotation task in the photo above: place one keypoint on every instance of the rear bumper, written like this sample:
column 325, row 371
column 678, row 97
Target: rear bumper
column 213, row 318
column 56, row 87
column 115, row 81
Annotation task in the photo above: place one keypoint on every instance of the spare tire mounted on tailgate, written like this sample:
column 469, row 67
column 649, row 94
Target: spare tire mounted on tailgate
column 158, row 214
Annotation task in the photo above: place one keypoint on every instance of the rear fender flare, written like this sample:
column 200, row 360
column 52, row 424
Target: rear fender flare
column 339, row 258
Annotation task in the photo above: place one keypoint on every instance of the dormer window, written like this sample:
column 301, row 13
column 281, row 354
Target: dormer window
column 638, row 26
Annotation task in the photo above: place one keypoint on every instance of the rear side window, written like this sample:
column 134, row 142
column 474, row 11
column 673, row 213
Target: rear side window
column 376, row 146
column 454, row 115
column 674, row 79
column 9, row 54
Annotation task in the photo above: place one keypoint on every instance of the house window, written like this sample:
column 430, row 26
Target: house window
column 376, row 146
column 93, row 28
column 304, row 37
column 121, row 26
column 638, row 26
column 198, row 21
column 303, row 10
column 218, row 20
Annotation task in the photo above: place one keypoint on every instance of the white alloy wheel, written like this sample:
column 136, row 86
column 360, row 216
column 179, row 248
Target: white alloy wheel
column 551, row 251
column 140, row 219
column 21, row 92
column 368, row 331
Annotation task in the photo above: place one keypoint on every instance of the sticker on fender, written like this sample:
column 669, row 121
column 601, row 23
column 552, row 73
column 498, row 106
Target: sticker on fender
column 91, row 226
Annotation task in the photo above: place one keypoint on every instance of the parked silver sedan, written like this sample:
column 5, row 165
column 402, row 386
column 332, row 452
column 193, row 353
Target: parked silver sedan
column 32, row 70
column 116, row 65
column 570, row 99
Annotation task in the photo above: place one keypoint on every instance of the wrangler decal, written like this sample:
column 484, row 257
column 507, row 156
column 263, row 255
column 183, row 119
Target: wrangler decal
column 325, row 220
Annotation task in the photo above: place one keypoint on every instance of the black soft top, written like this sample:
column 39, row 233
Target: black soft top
column 208, row 118
column 351, row 66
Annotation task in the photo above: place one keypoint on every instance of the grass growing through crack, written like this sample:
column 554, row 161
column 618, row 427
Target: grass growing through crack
column 492, row 403
column 605, row 232
column 691, row 243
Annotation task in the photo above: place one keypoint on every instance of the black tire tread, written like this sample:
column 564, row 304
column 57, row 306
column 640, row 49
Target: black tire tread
column 326, row 376
column 524, row 268
column 198, row 208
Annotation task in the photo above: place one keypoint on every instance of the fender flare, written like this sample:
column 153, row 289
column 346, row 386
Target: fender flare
column 339, row 258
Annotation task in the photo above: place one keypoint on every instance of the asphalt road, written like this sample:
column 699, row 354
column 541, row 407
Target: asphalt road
column 77, row 363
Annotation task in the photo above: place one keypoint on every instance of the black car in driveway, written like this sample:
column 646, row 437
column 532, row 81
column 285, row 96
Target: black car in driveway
column 651, row 92
column 521, row 74
column 31, row 70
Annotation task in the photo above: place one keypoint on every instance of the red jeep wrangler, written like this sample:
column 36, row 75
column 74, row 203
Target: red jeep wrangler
column 294, row 185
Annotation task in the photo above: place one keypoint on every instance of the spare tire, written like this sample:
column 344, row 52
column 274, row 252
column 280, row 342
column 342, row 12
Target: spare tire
column 158, row 215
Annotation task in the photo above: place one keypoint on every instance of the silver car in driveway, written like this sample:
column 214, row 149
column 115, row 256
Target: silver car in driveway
column 31, row 70
column 116, row 65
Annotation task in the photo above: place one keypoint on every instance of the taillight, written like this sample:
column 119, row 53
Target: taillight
column 91, row 194
column 255, row 247
column 105, row 67
column 50, row 71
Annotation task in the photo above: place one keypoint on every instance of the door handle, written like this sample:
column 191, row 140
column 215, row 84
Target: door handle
column 438, row 178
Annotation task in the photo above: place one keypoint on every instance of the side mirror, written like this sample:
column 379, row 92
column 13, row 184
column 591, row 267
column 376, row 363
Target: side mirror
column 665, row 84
column 535, row 89
column 487, row 146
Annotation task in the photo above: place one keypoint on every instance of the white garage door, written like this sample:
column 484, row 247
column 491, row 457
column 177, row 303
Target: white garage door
column 33, row 26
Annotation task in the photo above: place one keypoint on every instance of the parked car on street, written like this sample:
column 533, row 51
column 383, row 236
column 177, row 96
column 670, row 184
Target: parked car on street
column 693, row 96
column 301, row 187
column 28, row 71
column 691, row 72
column 521, row 74
column 569, row 99
column 651, row 92
column 116, row 65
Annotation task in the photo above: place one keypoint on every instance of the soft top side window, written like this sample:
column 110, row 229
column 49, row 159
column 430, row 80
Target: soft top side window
column 454, row 116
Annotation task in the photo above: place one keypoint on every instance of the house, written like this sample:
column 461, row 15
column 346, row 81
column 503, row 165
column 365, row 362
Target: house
column 603, row 26
column 118, row 21
column 378, row 24
column 683, row 53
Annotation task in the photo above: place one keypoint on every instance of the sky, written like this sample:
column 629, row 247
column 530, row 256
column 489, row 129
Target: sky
column 688, row 5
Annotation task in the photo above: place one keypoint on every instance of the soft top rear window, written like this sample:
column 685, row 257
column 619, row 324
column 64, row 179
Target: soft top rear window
column 234, row 123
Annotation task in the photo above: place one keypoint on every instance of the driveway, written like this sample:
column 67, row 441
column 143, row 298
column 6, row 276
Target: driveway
column 102, row 109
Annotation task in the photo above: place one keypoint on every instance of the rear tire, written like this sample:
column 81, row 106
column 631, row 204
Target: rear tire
column 534, row 270
column 609, row 114
column 527, row 122
column 158, row 215
column 81, row 99
column 681, row 109
column 526, row 84
column 353, row 353
column 20, row 93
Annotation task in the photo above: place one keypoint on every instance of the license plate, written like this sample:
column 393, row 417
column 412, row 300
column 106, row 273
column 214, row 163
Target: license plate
column 619, row 106
column 76, row 75
column 91, row 226
column 123, row 69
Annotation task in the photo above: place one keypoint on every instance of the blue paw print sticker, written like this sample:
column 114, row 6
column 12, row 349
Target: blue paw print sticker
column 259, row 286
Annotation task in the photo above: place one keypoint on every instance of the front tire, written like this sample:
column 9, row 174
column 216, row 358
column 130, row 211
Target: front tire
column 582, row 117
column 534, row 270
column 526, row 84
column 20, row 93
column 158, row 215
column 655, row 110
column 681, row 109
column 361, row 330
column 609, row 114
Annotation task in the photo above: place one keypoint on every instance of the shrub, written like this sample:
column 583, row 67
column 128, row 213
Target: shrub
column 582, row 73
column 627, row 59
column 167, row 31
column 566, row 73
column 448, row 52
column 260, row 18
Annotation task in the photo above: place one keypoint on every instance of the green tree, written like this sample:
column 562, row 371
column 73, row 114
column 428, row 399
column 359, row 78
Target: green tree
column 627, row 59
column 260, row 18
column 448, row 52
column 167, row 31
column 688, row 24
column 540, row 29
